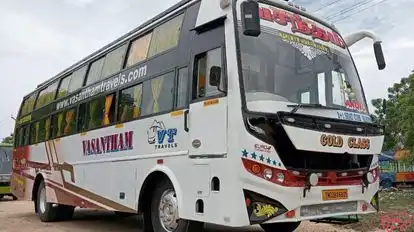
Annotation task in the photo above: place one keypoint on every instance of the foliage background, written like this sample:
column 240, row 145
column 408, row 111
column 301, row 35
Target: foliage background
column 396, row 115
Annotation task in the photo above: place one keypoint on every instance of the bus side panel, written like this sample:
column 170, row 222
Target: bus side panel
column 23, row 177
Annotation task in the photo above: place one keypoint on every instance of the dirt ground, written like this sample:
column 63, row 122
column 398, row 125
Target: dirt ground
column 396, row 206
column 17, row 216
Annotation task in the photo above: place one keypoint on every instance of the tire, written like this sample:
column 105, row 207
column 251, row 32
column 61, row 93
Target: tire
column 46, row 211
column 49, row 212
column 284, row 226
column 65, row 212
column 165, row 194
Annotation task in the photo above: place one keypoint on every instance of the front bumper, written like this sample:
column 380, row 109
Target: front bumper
column 289, row 205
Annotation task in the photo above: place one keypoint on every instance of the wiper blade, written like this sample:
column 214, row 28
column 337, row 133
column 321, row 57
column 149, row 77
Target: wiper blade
column 315, row 106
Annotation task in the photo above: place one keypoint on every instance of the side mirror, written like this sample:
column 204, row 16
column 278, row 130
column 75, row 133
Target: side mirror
column 215, row 76
column 379, row 55
column 250, row 18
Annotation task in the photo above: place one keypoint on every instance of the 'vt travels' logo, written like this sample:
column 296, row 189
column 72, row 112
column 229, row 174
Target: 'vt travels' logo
column 160, row 136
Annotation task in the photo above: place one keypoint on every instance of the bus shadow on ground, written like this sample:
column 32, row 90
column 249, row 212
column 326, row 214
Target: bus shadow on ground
column 135, row 222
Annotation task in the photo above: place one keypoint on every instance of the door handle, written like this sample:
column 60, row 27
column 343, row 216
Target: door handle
column 186, row 120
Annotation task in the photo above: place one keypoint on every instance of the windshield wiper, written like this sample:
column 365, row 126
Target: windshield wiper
column 315, row 106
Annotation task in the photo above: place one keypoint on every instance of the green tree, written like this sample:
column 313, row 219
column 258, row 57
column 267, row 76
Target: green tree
column 8, row 139
column 396, row 115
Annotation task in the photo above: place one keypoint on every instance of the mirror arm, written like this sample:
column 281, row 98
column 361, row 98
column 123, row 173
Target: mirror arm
column 357, row 36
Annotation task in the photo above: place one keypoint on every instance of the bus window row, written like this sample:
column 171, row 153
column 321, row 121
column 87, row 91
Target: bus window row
column 154, row 42
column 153, row 96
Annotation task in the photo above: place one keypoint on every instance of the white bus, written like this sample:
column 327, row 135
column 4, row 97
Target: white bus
column 233, row 113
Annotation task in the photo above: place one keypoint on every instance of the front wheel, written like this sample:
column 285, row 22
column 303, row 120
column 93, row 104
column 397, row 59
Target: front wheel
column 284, row 226
column 164, row 211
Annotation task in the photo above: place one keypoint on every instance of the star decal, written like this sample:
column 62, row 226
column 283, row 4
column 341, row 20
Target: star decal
column 245, row 153
column 261, row 158
column 269, row 161
column 254, row 156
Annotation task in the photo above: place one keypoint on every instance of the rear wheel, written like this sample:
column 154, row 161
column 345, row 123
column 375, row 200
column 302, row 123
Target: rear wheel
column 49, row 212
column 284, row 226
column 65, row 212
column 164, row 211
column 46, row 211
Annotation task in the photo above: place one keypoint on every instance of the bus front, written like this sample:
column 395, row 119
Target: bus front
column 309, row 150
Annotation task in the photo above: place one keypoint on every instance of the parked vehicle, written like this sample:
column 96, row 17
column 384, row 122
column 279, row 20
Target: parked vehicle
column 393, row 170
column 5, row 169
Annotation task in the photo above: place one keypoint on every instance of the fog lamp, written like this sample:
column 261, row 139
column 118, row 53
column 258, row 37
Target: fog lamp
column 313, row 179
column 267, row 174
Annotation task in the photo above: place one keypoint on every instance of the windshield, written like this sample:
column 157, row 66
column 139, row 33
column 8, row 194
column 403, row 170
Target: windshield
column 298, row 67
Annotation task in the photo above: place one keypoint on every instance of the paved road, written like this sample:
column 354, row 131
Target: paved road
column 17, row 216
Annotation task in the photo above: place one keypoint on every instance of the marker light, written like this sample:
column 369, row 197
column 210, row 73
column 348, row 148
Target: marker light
column 291, row 120
column 291, row 214
column 267, row 174
column 280, row 177
column 256, row 168
column 224, row 4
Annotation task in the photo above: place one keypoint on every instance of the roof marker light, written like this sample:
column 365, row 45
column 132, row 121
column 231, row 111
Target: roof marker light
column 224, row 4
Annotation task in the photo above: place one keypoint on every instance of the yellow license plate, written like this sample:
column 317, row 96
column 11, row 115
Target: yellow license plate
column 335, row 194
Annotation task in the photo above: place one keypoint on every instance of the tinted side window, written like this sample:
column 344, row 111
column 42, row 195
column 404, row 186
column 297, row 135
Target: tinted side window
column 82, row 119
column 34, row 137
column 99, row 112
column 114, row 61
column 28, row 105
column 204, row 64
column 166, row 36
column 47, row 95
column 95, row 71
column 26, row 135
column 64, row 123
column 94, row 113
column 57, row 121
column 76, row 81
column 158, row 94
column 130, row 103
column 64, row 87
column 38, row 131
column 47, row 133
column 182, row 88
column 139, row 50
column 19, row 137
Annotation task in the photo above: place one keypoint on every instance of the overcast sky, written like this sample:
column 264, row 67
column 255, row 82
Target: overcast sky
column 41, row 38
